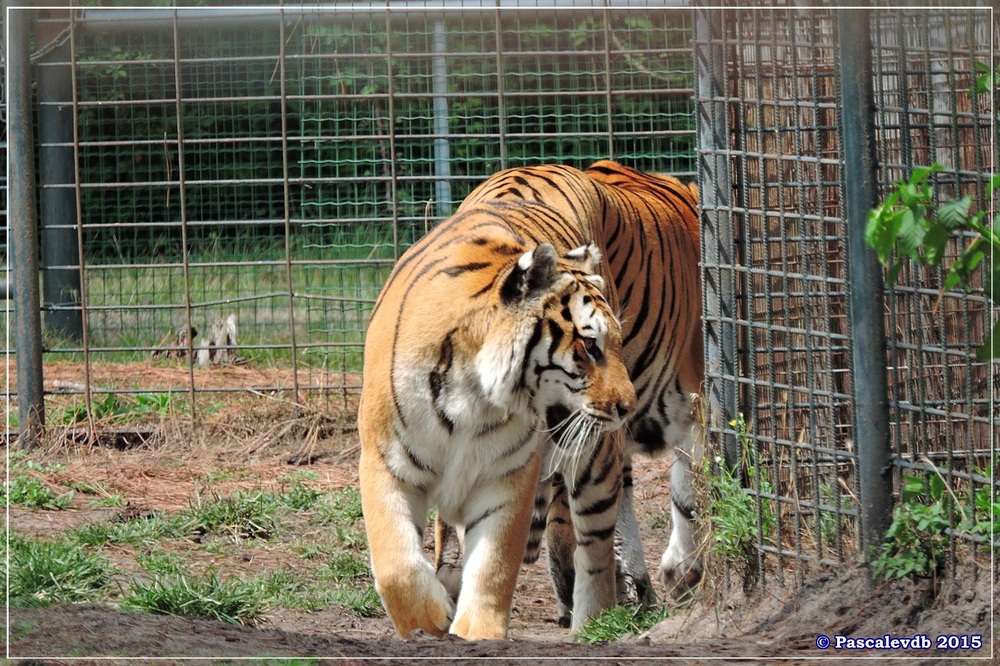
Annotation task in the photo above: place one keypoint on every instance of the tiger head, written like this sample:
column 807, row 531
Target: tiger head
column 555, row 346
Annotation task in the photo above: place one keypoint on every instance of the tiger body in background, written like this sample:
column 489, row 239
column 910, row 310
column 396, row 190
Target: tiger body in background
column 486, row 348
column 647, row 227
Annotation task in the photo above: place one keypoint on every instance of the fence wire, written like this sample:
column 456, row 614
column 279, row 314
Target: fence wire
column 774, row 253
column 273, row 170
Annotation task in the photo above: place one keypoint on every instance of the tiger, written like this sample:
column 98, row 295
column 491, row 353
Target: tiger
column 486, row 353
column 647, row 227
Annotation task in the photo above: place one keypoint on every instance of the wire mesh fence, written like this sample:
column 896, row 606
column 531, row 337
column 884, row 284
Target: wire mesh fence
column 775, row 258
column 272, row 166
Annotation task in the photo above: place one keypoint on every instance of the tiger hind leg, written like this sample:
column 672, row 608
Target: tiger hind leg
column 631, row 576
column 561, row 544
column 448, row 557
column 681, row 565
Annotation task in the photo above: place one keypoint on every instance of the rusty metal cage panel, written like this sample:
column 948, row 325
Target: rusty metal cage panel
column 942, row 399
column 778, row 334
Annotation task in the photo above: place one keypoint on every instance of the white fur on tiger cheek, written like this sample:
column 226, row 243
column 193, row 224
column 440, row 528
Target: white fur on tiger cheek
column 498, row 363
column 589, row 320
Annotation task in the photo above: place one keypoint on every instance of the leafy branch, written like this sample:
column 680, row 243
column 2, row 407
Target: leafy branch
column 909, row 225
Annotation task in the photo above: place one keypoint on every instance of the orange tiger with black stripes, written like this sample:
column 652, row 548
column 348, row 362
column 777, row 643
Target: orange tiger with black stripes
column 646, row 227
column 485, row 344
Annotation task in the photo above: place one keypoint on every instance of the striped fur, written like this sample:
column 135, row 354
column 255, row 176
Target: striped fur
column 647, row 228
column 482, row 338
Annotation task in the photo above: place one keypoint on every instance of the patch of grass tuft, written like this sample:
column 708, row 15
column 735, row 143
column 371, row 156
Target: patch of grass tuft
column 245, row 515
column 47, row 572
column 235, row 601
column 619, row 621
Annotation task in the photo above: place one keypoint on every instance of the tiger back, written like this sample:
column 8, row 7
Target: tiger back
column 647, row 227
column 479, row 335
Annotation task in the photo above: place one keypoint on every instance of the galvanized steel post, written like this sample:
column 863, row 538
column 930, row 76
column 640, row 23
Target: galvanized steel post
column 57, row 176
column 442, row 158
column 716, row 194
column 869, row 388
column 24, row 229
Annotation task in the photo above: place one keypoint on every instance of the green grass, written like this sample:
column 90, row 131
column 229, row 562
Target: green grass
column 619, row 621
column 235, row 601
column 26, row 489
column 142, row 531
column 103, row 495
column 245, row 515
column 335, row 308
column 44, row 572
column 170, row 551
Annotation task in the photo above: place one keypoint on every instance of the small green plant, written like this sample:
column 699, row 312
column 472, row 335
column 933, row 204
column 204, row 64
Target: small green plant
column 910, row 225
column 161, row 563
column 25, row 487
column 140, row 530
column 734, row 512
column 32, row 493
column 235, row 601
column 47, row 572
column 297, row 496
column 118, row 409
column 104, row 495
column 915, row 543
column 985, row 509
column 619, row 621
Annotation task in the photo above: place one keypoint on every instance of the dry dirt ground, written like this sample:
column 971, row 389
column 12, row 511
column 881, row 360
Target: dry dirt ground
column 260, row 439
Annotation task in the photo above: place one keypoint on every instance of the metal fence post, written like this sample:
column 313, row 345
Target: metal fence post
column 867, row 309
column 442, row 159
column 717, row 230
column 57, row 200
column 23, row 240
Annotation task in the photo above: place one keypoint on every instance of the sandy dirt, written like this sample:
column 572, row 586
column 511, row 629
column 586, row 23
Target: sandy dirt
column 259, row 440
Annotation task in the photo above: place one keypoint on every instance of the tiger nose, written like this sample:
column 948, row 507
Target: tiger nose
column 624, row 408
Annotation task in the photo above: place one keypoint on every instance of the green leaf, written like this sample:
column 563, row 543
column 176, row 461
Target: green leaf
column 913, row 487
column 936, row 485
column 912, row 229
column 921, row 173
column 993, row 184
column 881, row 232
column 935, row 242
column 954, row 213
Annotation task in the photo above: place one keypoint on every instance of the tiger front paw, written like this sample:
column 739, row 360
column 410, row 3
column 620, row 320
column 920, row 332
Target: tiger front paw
column 416, row 600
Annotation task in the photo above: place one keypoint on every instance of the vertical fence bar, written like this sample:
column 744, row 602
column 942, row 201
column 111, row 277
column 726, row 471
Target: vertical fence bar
column 501, row 105
column 57, row 198
column 717, row 229
column 78, row 207
column 23, row 241
column 182, row 198
column 442, row 156
column 287, row 201
column 870, row 387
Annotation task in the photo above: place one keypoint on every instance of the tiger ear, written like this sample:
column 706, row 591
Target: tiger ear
column 534, row 273
column 586, row 257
